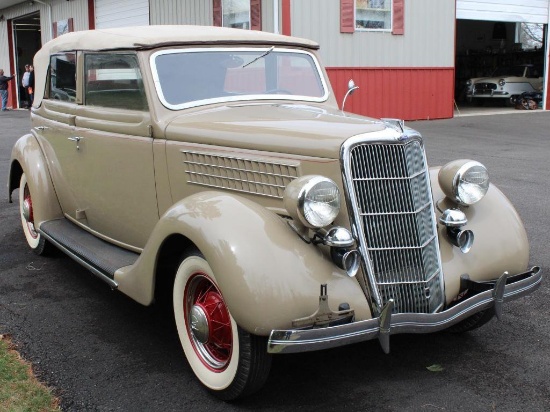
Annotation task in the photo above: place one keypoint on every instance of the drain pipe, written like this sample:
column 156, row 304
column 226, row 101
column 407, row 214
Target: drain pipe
column 546, row 62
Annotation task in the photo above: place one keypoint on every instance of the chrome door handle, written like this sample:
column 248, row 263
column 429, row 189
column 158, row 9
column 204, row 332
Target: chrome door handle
column 76, row 139
column 41, row 127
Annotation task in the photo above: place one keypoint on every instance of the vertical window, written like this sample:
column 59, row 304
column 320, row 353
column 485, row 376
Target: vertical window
column 373, row 15
column 240, row 14
column 114, row 80
column 62, row 77
column 236, row 14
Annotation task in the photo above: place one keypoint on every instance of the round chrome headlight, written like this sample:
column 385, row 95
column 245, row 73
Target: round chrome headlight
column 313, row 200
column 501, row 82
column 468, row 82
column 464, row 181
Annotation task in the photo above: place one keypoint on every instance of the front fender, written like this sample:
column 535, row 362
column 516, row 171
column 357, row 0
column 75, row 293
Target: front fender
column 266, row 273
column 500, row 239
column 27, row 157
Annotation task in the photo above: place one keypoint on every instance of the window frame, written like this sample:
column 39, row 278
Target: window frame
column 48, row 91
column 141, row 86
column 389, row 10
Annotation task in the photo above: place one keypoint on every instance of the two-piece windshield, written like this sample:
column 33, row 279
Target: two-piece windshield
column 192, row 77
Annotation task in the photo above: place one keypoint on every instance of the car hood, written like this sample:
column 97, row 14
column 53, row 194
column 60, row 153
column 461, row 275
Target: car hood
column 509, row 79
column 282, row 128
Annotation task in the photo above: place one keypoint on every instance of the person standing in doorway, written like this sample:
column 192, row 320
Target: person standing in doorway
column 25, row 84
column 30, row 89
column 4, row 89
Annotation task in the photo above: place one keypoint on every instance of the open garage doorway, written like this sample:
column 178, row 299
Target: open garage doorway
column 496, row 63
column 26, row 42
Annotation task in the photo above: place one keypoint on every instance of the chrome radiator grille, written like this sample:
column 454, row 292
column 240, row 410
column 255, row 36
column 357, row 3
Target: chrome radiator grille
column 394, row 212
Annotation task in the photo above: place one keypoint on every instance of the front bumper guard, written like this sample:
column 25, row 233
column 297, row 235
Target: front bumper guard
column 477, row 297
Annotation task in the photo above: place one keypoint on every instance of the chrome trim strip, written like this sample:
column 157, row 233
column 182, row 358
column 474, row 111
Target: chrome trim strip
column 112, row 283
column 294, row 341
column 234, row 189
column 232, row 179
column 258, row 159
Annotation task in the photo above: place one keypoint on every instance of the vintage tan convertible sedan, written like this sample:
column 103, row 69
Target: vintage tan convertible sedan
column 214, row 169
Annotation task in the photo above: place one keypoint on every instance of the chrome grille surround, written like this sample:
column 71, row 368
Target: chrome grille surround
column 388, row 193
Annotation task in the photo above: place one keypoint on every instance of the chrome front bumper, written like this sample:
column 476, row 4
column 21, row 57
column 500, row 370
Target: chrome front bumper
column 504, row 289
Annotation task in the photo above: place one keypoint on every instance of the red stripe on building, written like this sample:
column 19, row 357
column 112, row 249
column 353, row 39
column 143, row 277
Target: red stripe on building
column 12, row 97
column 286, row 23
column 406, row 93
column 91, row 14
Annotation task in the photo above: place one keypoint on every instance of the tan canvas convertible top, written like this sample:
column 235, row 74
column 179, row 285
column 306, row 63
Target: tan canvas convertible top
column 145, row 37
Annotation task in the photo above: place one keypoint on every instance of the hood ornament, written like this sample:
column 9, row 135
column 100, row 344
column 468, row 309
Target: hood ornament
column 398, row 125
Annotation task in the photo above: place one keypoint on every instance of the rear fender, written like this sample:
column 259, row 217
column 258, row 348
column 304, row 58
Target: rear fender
column 266, row 273
column 27, row 157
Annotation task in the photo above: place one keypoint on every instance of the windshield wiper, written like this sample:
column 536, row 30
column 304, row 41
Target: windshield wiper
column 258, row 58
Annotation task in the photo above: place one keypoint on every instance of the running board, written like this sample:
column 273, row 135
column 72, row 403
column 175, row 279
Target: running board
column 103, row 259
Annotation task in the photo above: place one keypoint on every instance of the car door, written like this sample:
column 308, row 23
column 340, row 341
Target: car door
column 116, row 181
column 54, row 125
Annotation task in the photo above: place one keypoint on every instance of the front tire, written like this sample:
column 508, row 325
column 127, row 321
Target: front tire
column 229, row 361
column 35, row 240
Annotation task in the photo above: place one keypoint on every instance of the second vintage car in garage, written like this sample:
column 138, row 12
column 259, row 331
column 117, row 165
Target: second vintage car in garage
column 213, row 169
column 505, row 84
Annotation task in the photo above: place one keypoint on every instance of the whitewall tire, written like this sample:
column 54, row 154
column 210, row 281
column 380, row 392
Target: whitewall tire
column 230, row 362
column 36, row 242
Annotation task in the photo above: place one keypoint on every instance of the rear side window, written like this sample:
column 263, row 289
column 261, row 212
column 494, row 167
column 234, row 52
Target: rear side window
column 114, row 80
column 62, row 77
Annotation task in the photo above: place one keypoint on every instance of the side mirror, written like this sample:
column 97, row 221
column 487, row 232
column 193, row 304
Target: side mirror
column 351, row 88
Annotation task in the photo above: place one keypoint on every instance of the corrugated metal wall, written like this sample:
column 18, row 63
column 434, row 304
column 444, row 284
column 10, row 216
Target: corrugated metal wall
column 197, row 12
column 528, row 11
column 121, row 13
column 428, row 40
column 181, row 12
column 408, row 94
column 409, row 76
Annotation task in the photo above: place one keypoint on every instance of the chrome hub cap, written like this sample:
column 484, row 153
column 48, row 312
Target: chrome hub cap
column 199, row 324
column 27, row 209
column 208, row 323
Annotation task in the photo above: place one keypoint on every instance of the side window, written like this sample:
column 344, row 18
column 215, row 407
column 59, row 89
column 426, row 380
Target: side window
column 114, row 80
column 62, row 77
column 373, row 14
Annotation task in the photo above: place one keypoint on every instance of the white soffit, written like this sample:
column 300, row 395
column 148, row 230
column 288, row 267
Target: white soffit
column 527, row 11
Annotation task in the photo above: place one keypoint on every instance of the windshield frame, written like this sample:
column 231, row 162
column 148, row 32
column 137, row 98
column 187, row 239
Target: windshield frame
column 244, row 97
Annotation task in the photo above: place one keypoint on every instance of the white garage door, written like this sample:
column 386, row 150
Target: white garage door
column 121, row 13
column 526, row 11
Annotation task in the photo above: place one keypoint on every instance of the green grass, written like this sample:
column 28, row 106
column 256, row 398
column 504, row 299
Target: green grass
column 20, row 391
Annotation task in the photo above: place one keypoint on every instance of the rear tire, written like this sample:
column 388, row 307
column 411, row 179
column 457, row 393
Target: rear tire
column 230, row 362
column 35, row 240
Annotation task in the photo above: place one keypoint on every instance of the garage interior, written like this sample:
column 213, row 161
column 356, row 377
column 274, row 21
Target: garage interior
column 483, row 46
column 27, row 41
